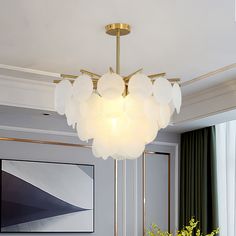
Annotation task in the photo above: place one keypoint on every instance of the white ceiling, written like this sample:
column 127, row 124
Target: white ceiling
column 184, row 38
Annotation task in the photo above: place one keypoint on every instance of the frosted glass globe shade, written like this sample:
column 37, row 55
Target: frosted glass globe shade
column 177, row 97
column 63, row 93
column 162, row 91
column 140, row 85
column 82, row 88
column 110, row 86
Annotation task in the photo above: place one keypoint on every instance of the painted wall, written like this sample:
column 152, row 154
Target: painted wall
column 103, row 177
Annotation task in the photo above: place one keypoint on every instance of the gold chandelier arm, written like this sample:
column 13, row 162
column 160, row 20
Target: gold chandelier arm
column 56, row 81
column 72, row 78
column 93, row 75
column 65, row 76
column 174, row 80
column 156, row 75
column 127, row 78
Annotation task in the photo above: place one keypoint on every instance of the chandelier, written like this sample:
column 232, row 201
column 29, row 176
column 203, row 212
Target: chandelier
column 119, row 114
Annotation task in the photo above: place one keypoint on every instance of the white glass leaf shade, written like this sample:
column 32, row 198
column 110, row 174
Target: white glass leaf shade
column 83, row 110
column 112, row 108
column 128, row 148
column 110, row 86
column 84, row 129
column 162, row 91
column 164, row 116
column 177, row 97
column 93, row 106
column 172, row 107
column 133, row 139
column 151, row 131
column 72, row 112
column 140, row 85
column 89, row 119
column 82, row 88
column 101, row 147
column 134, row 106
column 151, row 108
column 63, row 92
column 134, row 148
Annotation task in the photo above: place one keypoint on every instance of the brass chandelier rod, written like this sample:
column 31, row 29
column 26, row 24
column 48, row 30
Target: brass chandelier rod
column 93, row 75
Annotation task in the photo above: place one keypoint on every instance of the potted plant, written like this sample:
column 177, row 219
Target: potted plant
column 186, row 231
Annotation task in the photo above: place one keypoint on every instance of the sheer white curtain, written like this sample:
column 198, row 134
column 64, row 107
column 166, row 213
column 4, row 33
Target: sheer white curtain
column 226, row 177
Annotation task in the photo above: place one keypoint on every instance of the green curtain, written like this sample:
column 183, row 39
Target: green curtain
column 198, row 187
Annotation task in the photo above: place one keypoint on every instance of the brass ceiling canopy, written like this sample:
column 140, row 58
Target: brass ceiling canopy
column 113, row 29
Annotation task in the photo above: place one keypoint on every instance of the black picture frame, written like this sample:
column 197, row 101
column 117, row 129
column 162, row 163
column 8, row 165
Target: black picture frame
column 51, row 232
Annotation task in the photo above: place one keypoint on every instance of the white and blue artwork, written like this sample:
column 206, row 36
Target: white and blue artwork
column 46, row 197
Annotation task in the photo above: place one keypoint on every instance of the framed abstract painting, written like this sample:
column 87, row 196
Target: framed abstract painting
column 46, row 197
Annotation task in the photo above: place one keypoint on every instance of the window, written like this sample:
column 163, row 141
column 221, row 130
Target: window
column 226, row 177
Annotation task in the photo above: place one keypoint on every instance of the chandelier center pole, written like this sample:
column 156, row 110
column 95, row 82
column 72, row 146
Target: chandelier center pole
column 118, row 29
column 118, row 52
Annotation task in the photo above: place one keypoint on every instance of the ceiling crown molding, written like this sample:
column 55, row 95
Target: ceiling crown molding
column 26, row 93
column 208, row 102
